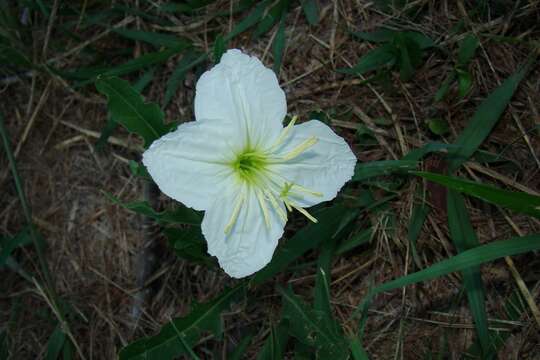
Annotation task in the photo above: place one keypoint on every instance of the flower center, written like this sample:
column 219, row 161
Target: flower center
column 249, row 164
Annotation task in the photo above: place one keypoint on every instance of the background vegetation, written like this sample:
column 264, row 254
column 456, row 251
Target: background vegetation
column 429, row 253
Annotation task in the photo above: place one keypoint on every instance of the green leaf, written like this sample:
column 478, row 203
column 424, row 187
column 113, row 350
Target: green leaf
column 153, row 38
column 423, row 41
column 143, row 61
column 181, row 215
column 516, row 201
column 189, row 61
column 445, row 87
column 8, row 245
column 219, row 48
column 240, row 349
column 410, row 55
column 465, row 260
column 418, row 218
column 311, row 11
column 322, row 284
column 438, row 126
column 371, row 169
column 467, row 48
column 278, row 46
column 377, row 58
column 248, row 21
column 11, row 55
column 275, row 343
column 111, row 124
column 55, row 344
column 357, row 350
column 175, row 337
column 382, row 35
column 190, row 244
column 275, row 14
column 305, row 239
column 464, row 238
column 128, row 108
column 484, row 119
column 311, row 328
column 465, row 82
column 358, row 239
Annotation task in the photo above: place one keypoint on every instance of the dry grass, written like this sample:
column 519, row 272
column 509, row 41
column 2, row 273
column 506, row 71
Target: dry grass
column 92, row 244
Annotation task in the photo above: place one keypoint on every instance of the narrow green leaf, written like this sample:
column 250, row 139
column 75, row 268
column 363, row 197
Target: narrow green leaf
column 465, row 82
column 219, row 48
column 248, row 21
column 153, row 38
column 311, row 328
column 418, row 218
column 181, row 215
column 438, row 126
column 275, row 14
column 171, row 340
column 377, row 58
column 278, row 46
column 371, row 169
column 128, row 108
column 465, row 260
column 240, row 349
column 484, row 119
column 516, row 201
column 410, row 55
column 464, row 238
column 311, row 11
column 55, row 344
column 306, row 239
column 381, row 35
column 190, row 244
column 358, row 239
column 275, row 343
column 357, row 350
column 467, row 48
column 445, row 87
column 188, row 62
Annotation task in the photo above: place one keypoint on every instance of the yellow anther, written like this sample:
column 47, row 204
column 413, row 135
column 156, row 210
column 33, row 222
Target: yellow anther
column 235, row 213
column 301, row 148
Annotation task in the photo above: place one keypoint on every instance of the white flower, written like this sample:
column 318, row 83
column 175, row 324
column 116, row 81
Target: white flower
column 239, row 164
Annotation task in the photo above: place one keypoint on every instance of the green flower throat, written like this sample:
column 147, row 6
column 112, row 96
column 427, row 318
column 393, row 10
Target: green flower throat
column 249, row 165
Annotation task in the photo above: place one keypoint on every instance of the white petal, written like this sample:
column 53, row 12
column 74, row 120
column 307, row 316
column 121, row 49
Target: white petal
column 188, row 164
column 242, row 90
column 325, row 167
column 250, row 244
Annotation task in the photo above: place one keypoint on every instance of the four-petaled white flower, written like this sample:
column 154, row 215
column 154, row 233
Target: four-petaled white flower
column 239, row 164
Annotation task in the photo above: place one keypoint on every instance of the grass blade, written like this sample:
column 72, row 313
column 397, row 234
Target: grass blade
column 275, row 344
column 377, row 168
column 175, row 338
column 311, row 11
column 306, row 239
column 465, row 260
column 464, row 238
column 484, row 119
column 516, row 201
column 278, row 46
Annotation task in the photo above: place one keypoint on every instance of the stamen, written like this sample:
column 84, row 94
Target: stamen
column 263, row 207
column 305, row 213
column 284, row 133
column 301, row 148
column 282, row 214
column 235, row 213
